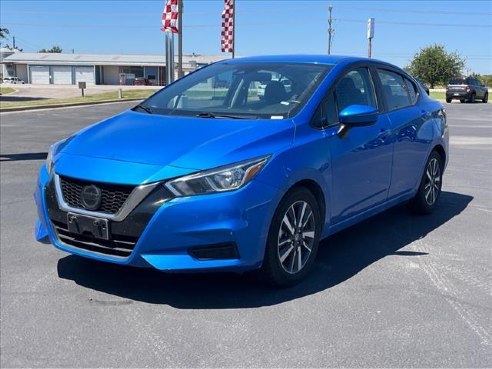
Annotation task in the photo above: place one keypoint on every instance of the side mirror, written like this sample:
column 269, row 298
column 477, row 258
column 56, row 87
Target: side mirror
column 356, row 116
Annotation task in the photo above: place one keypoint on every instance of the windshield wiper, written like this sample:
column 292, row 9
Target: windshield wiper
column 145, row 108
column 231, row 116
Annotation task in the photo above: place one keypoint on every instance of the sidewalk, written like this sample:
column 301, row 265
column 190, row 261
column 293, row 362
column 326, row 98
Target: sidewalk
column 66, row 91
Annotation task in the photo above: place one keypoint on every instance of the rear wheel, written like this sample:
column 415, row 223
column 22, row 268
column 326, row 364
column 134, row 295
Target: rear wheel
column 486, row 97
column 293, row 239
column 462, row 101
column 448, row 100
column 429, row 190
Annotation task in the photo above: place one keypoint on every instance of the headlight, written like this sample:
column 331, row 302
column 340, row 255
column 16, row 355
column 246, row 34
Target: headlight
column 227, row 178
column 51, row 154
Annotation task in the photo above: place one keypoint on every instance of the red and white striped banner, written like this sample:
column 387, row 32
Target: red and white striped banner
column 227, row 34
column 170, row 16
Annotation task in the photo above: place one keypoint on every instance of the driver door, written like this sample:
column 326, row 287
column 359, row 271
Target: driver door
column 361, row 159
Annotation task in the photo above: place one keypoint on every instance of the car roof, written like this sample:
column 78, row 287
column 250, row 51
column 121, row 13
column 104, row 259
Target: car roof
column 309, row 59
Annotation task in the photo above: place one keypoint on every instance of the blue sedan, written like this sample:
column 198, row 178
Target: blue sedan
column 216, row 176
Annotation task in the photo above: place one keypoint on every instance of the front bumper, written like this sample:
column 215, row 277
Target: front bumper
column 177, row 234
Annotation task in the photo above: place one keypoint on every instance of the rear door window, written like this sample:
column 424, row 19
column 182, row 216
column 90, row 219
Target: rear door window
column 395, row 90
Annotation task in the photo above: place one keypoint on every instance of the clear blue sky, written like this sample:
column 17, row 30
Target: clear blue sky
column 262, row 27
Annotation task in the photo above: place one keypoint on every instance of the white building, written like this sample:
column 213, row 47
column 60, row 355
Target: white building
column 99, row 69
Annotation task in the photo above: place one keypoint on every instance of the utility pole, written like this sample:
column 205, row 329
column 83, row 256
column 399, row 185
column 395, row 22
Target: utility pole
column 13, row 41
column 370, row 35
column 331, row 30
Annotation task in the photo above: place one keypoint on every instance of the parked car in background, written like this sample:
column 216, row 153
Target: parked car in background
column 466, row 89
column 193, row 180
column 13, row 80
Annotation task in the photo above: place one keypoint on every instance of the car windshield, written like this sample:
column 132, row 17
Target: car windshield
column 239, row 90
column 457, row 81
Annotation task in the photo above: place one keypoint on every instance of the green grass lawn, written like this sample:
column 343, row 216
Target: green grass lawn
column 438, row 95
column 6, row 90
column 106, row 96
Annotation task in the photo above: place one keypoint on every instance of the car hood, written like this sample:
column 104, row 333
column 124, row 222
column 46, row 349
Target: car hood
column 155, row 147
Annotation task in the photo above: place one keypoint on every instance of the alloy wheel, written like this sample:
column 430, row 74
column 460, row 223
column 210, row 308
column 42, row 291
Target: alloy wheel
column 432, row 185
column 296, row 237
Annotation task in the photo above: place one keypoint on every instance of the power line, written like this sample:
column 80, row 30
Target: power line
column 441, row 12
column 294, row 10
column 247, row 24
column 29, row 44
column 420, row 24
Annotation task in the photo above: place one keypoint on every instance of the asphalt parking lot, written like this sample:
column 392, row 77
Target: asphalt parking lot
column 393, row 291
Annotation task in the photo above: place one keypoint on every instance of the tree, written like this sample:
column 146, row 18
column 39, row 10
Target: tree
column 486, row 79
column 434, row 65
column 3, row 32
column 54, row 49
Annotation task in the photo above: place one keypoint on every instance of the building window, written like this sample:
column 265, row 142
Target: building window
column 137, row 71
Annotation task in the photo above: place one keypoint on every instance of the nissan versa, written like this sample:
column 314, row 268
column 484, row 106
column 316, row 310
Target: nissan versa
column 214, row 176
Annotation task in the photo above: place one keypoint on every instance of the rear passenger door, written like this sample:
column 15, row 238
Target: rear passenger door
column 411, row 130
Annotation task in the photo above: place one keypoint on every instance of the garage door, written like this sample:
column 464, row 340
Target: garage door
column 62, row 75
column 40, row 75
column 84, row 74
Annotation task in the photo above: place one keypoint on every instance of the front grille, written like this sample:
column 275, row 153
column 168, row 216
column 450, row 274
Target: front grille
column 113, row 196
column 124, row 234
column 119, row 245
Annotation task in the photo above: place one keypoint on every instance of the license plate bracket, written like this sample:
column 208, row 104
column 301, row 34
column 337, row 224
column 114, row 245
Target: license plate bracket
column 88, row 226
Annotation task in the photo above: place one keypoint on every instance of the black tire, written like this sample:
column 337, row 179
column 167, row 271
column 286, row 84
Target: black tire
column 291, row 249
column 472, row 98
column 429, row 191
column 462, row 101
column 448, row 100
column 485, row 98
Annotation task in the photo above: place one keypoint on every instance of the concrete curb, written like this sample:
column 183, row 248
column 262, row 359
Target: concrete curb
column 39, row 107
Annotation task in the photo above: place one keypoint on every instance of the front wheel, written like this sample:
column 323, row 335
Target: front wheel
column 293, row 239
column 486, row 97
column 472, row 99
column 448, row 100
column 430, row 187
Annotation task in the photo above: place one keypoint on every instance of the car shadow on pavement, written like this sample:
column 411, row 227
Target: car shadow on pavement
column 340, row 257
column 24, row 156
